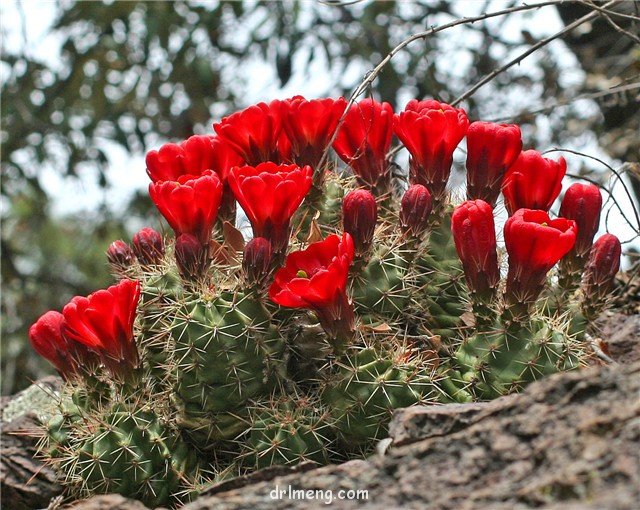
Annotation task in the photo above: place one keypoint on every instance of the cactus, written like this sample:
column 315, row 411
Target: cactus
column 359, row 293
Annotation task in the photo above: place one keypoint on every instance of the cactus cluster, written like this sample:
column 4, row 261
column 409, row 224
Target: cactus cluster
column 361, row 289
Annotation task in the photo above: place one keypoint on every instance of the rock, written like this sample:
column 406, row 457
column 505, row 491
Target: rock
column 569, row 442
column 25, row 482
column 622, row 334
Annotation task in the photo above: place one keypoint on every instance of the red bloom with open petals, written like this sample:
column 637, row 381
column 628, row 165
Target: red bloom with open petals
column 475, row 239
column 172, row 160
column 309, row 125
column 431, row 131
column 316, row 278
column 363, row 141
column 535, row 244
column 270, row 194
column 103, row 321
column 253, row 132
column 190, row 204
column 533, row 182
column 491, row 150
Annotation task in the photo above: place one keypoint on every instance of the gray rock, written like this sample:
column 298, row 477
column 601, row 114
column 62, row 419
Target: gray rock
column 25, row 482
column 569, row 442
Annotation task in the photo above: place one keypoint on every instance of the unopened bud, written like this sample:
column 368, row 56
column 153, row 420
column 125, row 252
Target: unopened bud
column 359, row 216
column 415, row 208
column 475, row 239
column 582, row 204
column 148, row 247
column 602, row 267
column 120, row 255
column 191, row 256
column 256, row 262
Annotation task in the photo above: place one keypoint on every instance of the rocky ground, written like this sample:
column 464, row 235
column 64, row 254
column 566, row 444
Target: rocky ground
column 571, row 442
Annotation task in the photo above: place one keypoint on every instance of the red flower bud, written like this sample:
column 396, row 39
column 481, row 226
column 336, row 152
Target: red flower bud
column 533, row 182
column 103, row 321
column 148, row 246
column 535, row 243
column 582, row 203
column 359, row 216
column 256, row 262
column 316, row 278
column 309, row 125
column 191, row 256
column 120, row 255
column 491, row 149
column 602, row 267
column 363, row 141
column 415, row 208
column 47, row 339
column 431, row 131
column 475, row 238
column 270, row 194
column 189, row 205
column 254, row 132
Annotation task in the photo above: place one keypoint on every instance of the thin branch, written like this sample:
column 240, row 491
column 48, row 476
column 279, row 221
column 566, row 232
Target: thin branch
column 618, row 176
column 373, row 74
column 566, row 102
column 534, row 48
column 605, row 14
column 593, row 5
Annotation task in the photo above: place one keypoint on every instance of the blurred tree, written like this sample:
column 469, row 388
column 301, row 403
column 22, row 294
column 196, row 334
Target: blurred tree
column 140, row 73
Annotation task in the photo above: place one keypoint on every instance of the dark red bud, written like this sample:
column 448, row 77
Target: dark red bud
column 415, row 208
column 359, row 216
column 191, row 256
column 256, row 261
column 120, row 255
column 148, row 247
column 604, row 261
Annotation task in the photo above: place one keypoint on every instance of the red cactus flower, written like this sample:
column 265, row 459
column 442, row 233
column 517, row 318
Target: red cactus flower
column 309, row 125
column 535, row 243
column 491, row 150
column 359, row 217
column 415, row 208
column 191, row 157
column 582, row 203
column 533, row 182
column 431, row 131
column 48, row 341
column 190, row 204
column 270, row 194
column 103, row 321
column 316, row 278
column 363, row 141
column 475, row 239
column 253, row 132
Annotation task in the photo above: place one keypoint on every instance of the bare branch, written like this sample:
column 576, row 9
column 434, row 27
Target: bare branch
column 618, row 175
column 373, row 73
column 534, row 48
